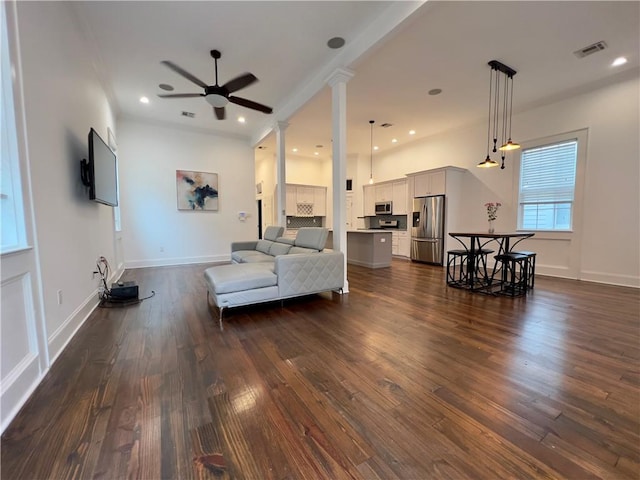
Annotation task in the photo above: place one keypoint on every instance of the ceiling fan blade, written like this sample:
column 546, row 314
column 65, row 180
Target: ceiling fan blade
column 180, row 95
column 184, row 73
column 242, row 81
column 220, row 113
column 250, row 104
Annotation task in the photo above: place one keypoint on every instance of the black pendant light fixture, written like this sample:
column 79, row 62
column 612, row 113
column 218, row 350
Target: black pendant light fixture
column 371, row 122
column 499, row 121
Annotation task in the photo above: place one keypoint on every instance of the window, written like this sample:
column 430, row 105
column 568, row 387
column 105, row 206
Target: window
column 547, row 186
column 13, row 235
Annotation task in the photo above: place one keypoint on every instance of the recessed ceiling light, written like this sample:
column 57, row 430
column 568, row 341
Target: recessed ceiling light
column 166, row 86
column 435, row 91
column 619, row 61
column 316, row 153
column 375, row 147
column 294, row 150
column 144, row 100
column 412, row 132
column 394, row 140
column 336, row 42
column 241, row 119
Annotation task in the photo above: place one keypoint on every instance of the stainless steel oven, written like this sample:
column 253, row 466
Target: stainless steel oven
column 383, row 208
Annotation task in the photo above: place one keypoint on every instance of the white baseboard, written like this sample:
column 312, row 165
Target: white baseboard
column 165, row 262
column 67, row 330
column 611, row 279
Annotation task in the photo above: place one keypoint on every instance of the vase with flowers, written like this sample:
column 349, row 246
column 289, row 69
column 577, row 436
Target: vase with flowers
column 492, row 213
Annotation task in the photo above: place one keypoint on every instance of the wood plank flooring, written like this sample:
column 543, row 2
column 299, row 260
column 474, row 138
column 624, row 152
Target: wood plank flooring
column 401, row 378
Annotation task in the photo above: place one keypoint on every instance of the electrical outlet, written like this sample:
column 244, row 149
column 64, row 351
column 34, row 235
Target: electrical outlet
column 59, row 297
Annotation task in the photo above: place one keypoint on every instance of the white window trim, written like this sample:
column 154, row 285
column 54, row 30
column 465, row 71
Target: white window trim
column 581, row 165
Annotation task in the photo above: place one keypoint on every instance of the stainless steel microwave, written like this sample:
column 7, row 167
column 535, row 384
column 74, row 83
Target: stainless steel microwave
column 383, row 208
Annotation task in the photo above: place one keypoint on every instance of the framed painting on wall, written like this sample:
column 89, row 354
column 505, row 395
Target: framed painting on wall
column 197, row 190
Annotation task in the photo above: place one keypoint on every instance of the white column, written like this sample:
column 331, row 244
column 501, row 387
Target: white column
column 338, row 83
column 281, row 175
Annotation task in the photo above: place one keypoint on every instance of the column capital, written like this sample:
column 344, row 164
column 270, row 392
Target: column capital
column 280, row 126
column 339, row 75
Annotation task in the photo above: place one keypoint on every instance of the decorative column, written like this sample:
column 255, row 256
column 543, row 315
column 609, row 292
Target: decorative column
column 281, row 176
column 338, row 83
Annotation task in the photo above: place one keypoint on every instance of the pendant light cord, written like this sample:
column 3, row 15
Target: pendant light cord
column 371, row 122
column 489, row 122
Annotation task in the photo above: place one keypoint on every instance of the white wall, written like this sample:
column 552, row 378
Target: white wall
column 154, row 231
column 63, row 100
column 606, row 248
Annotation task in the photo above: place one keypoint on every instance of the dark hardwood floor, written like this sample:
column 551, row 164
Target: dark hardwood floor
column 401, row 378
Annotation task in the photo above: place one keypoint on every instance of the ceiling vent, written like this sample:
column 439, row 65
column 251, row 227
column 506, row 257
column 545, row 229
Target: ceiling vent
column 386, row 125
column 188, row 114
column 591, row 49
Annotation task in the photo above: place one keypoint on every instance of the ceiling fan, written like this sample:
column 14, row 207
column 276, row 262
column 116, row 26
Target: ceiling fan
column 218, row 96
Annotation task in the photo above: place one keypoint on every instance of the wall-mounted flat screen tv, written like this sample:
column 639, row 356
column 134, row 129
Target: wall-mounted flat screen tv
column 100, row 172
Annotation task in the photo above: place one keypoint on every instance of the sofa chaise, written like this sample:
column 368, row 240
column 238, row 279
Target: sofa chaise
column 275, row 268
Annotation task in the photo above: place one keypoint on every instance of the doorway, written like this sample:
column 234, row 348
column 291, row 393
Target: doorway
column 259, row 219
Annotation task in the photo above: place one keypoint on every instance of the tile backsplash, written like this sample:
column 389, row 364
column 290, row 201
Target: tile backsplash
column 297, row 222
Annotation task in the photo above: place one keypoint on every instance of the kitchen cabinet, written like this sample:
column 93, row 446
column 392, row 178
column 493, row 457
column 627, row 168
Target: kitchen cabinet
column 404, row 243
column 320, row 201
column 304, row 194
column 429, row 183
column 369, row 200
column 384, row 192
column 305, row 200
column 399, row 197
column 291, row 203
column 400, row 243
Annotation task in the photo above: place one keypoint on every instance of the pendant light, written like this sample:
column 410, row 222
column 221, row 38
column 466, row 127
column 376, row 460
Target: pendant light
column 371, row 122
column 500, row 121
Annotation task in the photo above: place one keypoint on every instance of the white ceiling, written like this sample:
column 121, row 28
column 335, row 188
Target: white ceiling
column 398, row 51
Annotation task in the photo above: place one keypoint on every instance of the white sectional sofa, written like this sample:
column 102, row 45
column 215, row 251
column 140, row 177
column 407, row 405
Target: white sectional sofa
column 275, row 268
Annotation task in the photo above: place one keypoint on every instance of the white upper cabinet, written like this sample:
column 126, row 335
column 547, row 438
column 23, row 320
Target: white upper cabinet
column 306, row 200
column 320, row 201
column 291, row 206
column 399, row 197
column 305, row 194
column 369, row 200
column 384, row 192
column 430, row 183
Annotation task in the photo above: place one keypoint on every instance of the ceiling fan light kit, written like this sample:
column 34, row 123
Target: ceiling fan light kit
column 218, row 96
column 499, row 122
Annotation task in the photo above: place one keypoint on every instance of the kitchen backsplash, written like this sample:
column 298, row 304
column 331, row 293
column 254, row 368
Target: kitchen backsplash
column 297, row 222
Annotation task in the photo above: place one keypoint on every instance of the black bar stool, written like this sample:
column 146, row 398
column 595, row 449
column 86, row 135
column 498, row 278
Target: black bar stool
column 531, row 267
column 457, row 278
column 515, row 270
column 460, row 277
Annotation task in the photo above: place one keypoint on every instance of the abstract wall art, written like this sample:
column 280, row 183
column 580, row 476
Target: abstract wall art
column 197, row 190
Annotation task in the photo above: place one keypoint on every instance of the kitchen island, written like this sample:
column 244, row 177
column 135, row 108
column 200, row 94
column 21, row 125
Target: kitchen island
column 367, row 248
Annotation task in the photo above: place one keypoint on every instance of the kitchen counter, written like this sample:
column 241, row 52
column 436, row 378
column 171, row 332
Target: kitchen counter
column 368, row 248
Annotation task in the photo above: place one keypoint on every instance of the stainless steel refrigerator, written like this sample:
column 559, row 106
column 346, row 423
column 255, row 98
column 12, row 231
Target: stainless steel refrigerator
column 427, row 229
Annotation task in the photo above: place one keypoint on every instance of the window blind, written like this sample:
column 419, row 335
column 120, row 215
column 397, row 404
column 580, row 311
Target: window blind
column 548, row 174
